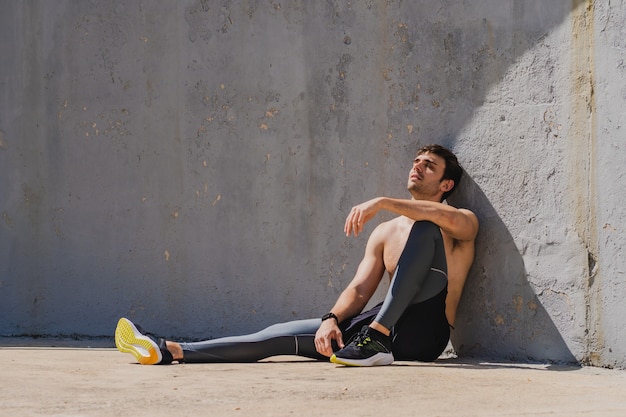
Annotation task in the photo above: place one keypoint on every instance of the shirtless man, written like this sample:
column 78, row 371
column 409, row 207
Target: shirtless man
column 427, row 251
column 429, row 184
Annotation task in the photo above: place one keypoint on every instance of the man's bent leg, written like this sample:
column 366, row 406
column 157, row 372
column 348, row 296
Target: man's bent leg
column 421, row 274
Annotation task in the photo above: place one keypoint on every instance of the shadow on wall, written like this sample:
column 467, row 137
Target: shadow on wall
column 500, row 315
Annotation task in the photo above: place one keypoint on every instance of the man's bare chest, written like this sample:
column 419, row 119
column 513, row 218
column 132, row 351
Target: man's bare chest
column 393, row 248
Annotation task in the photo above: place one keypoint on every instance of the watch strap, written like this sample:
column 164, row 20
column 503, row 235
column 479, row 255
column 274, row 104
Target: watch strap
column 330, row 315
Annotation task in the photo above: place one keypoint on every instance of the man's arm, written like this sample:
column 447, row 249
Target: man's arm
column 356, row 295
column 459, row 224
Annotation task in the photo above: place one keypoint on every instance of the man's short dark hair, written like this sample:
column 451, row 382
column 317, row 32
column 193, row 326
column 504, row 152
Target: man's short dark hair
column 453, row 170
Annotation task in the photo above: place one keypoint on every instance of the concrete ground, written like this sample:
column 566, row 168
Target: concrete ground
column 43, row 378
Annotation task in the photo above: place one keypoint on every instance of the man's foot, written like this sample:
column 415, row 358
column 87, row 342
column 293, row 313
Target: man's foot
column 368, row 348
column 145, row 347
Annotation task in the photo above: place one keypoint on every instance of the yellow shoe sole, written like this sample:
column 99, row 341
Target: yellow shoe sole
column 380, row 359
column 130, row 340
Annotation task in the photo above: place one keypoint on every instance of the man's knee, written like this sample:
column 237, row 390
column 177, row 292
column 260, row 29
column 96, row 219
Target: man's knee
column 426, row 229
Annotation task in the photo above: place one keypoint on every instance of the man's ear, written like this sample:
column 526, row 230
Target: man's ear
column 447, row 185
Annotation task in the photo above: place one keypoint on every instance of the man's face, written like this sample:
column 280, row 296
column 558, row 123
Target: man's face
column 425, row 177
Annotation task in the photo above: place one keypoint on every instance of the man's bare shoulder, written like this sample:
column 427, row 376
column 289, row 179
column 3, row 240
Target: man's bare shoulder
column 470, row 214
column 380, row 231
column 384, row 230
column 394, row 225
column 467, row 228
column 455, row 245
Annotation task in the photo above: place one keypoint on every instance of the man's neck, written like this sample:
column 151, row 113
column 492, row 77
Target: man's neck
column 434, row 199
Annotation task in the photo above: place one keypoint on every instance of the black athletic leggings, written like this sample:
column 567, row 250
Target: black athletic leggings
column 414, row 310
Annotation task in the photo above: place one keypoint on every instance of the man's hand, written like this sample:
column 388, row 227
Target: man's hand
column 359, row 215
column 324, row 336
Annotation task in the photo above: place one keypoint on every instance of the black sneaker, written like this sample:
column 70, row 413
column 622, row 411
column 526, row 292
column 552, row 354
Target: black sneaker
column 368, row 348
column 145, row 347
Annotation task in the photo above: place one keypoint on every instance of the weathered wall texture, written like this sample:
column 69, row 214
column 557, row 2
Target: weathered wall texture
column 190, row 164
column 550, row 274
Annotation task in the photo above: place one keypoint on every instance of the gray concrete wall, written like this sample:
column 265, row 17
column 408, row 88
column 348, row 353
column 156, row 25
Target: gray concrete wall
column 190, row 164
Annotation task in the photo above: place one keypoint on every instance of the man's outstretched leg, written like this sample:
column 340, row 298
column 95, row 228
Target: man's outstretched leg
column 420, row 275
column 290, row 338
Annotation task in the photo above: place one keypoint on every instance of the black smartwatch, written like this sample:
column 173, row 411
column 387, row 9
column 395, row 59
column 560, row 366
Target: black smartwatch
column 330, row 315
